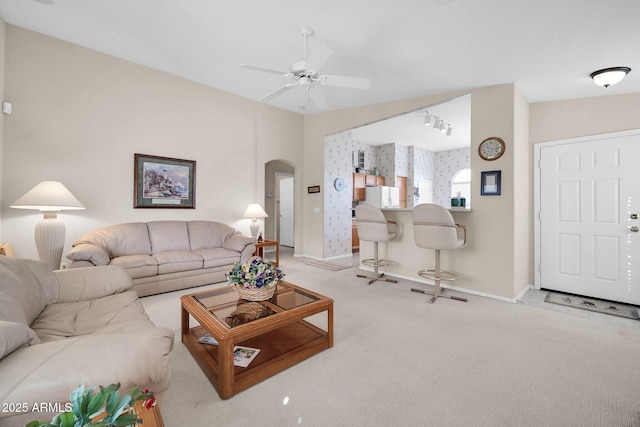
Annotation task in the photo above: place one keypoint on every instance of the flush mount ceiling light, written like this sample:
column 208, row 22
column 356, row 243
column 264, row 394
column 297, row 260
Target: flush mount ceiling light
column 609, row 76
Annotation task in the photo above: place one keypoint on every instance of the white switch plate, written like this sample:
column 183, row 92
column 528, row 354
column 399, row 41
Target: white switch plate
column 316, row 210
column 6, row 107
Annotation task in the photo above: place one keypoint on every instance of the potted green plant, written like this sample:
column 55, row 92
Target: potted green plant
column 101, row 407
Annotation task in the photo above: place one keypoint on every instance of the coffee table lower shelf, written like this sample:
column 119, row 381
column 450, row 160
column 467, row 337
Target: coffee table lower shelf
column 279, row 349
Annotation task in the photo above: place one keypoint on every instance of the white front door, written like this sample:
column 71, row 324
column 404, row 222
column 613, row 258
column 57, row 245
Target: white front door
column 286, row 211
column 589, row 205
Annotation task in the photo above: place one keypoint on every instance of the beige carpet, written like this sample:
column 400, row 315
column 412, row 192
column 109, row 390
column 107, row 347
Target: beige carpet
column 399, row 361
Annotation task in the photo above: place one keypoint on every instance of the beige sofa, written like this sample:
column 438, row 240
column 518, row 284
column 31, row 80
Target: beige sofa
column 163, row 256
column 65, row 328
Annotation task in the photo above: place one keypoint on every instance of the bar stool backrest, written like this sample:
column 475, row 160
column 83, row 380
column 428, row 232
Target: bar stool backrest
column 434, row 228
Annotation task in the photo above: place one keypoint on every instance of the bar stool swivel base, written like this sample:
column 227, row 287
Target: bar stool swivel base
column 377, row 276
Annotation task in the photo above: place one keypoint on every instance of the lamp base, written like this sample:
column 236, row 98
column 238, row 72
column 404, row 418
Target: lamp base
column 49, row 234
column 254, row 227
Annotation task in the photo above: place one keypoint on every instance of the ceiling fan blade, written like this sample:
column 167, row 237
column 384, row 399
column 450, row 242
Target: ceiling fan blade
column 318, row 57
column 270, row 96
column 318, row 98
column 344, row 81
column 264, row 69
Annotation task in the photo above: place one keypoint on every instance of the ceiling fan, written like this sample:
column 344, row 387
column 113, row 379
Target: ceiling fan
column 306, row 74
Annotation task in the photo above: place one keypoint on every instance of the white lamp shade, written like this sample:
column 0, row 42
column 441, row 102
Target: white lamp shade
column 254, row 210
column 48, row 196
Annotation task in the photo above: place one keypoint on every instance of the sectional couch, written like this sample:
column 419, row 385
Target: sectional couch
column 163, row 256
column 62, row 329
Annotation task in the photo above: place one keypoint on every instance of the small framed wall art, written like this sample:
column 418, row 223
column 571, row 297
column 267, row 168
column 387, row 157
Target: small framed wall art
column 164, row 182
column 490, row 183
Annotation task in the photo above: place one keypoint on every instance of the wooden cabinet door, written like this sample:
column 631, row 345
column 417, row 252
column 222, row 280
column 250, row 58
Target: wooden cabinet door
column 358, row 186
column 370, row 181
column 401, row 182
column 355, row 240
column 379, row 180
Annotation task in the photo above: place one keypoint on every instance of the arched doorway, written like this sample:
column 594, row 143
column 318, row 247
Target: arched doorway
column 280, row 202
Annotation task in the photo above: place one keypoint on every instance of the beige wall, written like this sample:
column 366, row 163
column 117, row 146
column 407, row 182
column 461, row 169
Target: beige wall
column 79, row 116
column 552, row 121
column 2, row 98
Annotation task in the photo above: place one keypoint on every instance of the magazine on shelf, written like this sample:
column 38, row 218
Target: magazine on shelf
column 207, row 339
column 242, row 356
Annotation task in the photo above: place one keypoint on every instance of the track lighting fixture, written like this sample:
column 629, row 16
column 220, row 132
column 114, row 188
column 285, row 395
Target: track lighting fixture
column 427, row 119
column 438, row 123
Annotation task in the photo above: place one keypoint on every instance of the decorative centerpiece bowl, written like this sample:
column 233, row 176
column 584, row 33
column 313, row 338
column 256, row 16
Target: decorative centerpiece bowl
column 255, row 279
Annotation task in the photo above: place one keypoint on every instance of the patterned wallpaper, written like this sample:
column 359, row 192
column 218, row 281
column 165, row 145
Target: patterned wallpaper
column 340, row 157
column 337, row 204
column 447, row 163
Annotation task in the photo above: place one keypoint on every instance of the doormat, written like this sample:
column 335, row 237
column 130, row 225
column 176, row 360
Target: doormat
column 599, row 306
column 328, row 265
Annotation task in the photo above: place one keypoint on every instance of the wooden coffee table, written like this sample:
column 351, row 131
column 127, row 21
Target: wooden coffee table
column 277, row 327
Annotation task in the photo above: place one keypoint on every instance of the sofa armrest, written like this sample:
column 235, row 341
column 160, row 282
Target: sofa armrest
column 238, row 242
column 89, row 252
column 82, row 284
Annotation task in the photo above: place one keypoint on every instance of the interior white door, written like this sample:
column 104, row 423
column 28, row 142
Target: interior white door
column 589, row 207
column 286, row 211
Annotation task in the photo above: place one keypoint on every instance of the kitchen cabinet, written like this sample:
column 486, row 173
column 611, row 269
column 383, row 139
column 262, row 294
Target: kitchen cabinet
column 355, row 240
column 360, row 181
column 358, row 186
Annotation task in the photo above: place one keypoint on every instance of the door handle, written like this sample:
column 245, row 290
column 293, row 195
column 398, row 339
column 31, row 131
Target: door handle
column 634, row 216
column 634, row 229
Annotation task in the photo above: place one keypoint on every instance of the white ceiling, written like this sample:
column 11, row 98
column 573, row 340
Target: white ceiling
column 408, row 48
column 410, row 129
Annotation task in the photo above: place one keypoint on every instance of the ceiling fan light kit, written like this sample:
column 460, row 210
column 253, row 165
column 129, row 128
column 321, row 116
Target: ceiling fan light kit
column 609, row 76
column 306, row 74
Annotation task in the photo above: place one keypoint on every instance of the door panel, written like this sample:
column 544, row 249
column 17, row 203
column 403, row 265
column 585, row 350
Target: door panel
column 286, row 212
column 588, row 195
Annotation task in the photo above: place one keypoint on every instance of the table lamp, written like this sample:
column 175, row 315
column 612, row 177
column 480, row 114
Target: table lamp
column 49, row 197
column 254, row 211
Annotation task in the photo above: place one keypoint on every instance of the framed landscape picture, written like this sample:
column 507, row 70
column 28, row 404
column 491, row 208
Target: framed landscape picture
column 164, row 182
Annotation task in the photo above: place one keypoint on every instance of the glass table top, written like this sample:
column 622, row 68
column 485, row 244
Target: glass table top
column 231, row 310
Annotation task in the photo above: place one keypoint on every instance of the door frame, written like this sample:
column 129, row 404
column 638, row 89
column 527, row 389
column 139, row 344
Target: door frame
column 536, row 187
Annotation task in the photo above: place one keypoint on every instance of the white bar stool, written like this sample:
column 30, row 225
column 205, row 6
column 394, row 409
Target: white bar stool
column 434, row 228
column 374, row 227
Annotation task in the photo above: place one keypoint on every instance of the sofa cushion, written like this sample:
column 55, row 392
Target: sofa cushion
column 120, row 239
column 89, row 252
column 108, row 314
column 174, row 261
column 168, row 236
column 26, row 287
column 137, row 265
column 48, row 372
column 14, row 335
column 215, row 257
column 208, row 234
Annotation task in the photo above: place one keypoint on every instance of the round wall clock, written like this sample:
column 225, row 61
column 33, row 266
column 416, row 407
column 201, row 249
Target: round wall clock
column 338, row 184
column 491, row 148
